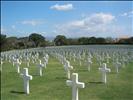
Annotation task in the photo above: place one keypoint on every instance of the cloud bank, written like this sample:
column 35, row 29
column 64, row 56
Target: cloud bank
column 64, row 7
column 128, row 14
column 97, row 24
column 31, row 22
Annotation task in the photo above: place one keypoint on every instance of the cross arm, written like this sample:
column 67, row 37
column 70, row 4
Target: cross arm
column 71, row 67
column 29, row 77
column 81, row 85
column 108, row 70
column 69, row 83
column 21, row 75
column 100, row 69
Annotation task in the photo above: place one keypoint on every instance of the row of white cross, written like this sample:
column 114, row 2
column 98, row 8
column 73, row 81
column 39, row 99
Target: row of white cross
column 27, row 77
column 73, row 82
column 73, row 78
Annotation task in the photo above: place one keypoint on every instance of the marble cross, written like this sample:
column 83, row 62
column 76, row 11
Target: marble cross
column 1, row 65
column 40, row 66
column 89, row 62
column 28, row 61
column 13, row 61
column 117, row 66
column 33, row 59
column 74, row 56
column 45, row 61
column 75, row 85
column 68, row 67
column 17, row 65
column 79, row 58
column 107, row 58
column 104, row 70
column 47, row 57
column 26, row 77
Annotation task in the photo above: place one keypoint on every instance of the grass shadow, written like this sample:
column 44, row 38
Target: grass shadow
column 82, row 70
column 60, row 78
column 113, row 72
column 35, row 75
column 95, row 82
column 17, row 92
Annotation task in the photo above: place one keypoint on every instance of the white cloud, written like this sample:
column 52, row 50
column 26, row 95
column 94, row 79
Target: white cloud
column 98, row 24
column 78, row 23
column 64, row 7
column 32, row 22
column 99, row 18
column 128, row 14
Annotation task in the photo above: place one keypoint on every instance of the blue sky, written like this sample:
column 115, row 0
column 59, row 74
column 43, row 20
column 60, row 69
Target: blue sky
column 72, row 19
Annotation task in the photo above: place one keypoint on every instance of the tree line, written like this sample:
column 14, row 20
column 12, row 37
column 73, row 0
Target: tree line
column 37, row 40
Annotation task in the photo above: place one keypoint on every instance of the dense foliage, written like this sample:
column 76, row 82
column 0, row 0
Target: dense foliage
column 60, row 40
column 37, row 40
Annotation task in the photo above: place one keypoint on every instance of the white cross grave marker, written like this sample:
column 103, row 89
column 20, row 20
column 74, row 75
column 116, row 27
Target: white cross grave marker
column 13, row 61
column 45, row 61
column 75, row 85
column 1, row 65
column 89, row 62
column 17, row 65
column 47, row 56
column 117, row 66
column 68, row 67
column 74, row 56
column 79, row 57
column 104, row 70
column 107, row 58
column 40, row 66
column 26, row 78
column 33, row 59
column 28, row 61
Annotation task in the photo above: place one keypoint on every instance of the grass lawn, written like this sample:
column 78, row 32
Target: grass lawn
column 52, row 85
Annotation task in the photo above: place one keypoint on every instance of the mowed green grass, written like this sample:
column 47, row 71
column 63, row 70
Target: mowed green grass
column 52, row 85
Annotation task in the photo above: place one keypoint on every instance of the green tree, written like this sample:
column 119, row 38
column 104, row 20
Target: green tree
column 92, row 40
column 12, row 43
column 110, row 40
column 130, row 40
column 126, row 41
column 60, row 40
column 100, row 40
column 38, row 39
column 2, row 41
column 83, row 40
column 72, row 41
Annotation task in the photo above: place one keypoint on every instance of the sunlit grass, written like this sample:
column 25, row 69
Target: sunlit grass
column 52, row 85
